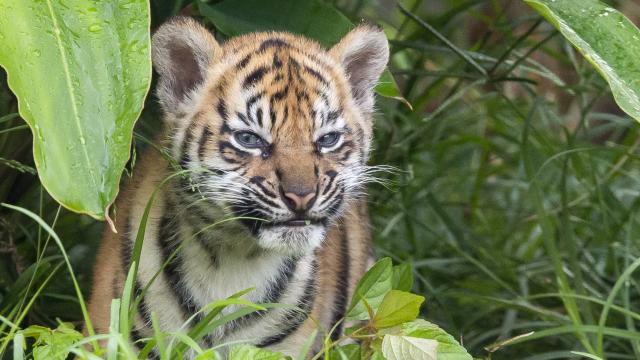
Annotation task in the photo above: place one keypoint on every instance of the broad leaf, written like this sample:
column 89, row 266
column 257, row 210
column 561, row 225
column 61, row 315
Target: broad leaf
column 372, row 288
column 606, row 38
column 403, row 277
column 315, row 19
column 448, row 347
column 80, row 70
column 395, row 347
column 396, row 308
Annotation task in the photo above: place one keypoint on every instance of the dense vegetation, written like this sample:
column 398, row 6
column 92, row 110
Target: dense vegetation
column 515, row 197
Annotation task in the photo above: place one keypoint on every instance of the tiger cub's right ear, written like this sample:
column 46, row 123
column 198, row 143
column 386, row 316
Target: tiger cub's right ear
column 182, row 51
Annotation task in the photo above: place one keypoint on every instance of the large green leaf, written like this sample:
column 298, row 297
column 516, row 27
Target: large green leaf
column 315, row 19
column 81, row 70
column 606, row 38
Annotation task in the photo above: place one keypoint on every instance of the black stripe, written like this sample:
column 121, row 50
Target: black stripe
column 222, row 110
column 275, row 42
column 255, row 76
column 243, row 118
column 342, row 287
column 225, row 145
column 259, row 116
column 185, row 158
column 204, row 139
column 295, row 319
column 332, row 175
column 335, row 204
column 330, row 195
column 258, row 180
column 244, row 62
column 332, row 116
column 168, row 245
column 316, row 74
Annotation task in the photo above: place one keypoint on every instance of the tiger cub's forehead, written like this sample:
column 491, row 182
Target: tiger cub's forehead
column 278, row 85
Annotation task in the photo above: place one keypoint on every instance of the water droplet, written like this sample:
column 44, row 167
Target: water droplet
column 95, row 28
column 82, row 140
column 36, row 52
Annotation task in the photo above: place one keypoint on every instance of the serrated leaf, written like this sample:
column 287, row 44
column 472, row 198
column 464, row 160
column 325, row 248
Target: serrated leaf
column 397, row 347
column 448, row 347
column 372, row 288
column 80, row 70
column 403, row 277
column 606, row 38
column 396, row 308
column 315, row 19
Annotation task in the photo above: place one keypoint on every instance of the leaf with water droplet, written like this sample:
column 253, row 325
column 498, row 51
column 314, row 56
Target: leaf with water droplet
column 606, row 38
column 61, row 73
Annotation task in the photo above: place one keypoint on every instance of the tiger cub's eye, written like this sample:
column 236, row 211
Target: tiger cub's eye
column 249, row 139
column 328, row 140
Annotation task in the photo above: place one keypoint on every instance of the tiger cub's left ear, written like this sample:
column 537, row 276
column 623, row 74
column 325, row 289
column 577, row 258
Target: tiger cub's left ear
column 182, row 51
column 363, row 53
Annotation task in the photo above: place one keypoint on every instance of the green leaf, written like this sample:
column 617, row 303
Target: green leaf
column 52, row 344
column 448, row 347
column 396, row 308
column 345, row 352
column 80, row 70
column 402, row 277
column 606, row 38
column 248, row 352
column 315, row 19
column 397, row 347
column 372, row 288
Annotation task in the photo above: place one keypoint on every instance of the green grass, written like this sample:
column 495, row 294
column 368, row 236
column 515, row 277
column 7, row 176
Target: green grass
column 516, row 198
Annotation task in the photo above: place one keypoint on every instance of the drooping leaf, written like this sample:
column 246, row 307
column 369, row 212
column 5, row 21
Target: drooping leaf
column 80, row 70
column 315, row 19
column 448, row 347
column 372, row 288
column 397, row 347
column 403, row 277
column 396, row 308
column 606, row 38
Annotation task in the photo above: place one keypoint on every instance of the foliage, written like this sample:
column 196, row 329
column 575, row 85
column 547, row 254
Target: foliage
column 515, row 202
column 80, row 71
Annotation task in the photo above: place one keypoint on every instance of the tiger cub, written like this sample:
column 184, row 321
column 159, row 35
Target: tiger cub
column 274, row 132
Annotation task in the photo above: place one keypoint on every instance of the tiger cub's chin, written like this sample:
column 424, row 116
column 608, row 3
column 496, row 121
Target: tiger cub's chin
column 275, row 133
column 292, row 240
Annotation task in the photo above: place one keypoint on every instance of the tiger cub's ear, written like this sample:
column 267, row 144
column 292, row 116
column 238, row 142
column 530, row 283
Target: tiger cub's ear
column 182, row 51
column 363, row 53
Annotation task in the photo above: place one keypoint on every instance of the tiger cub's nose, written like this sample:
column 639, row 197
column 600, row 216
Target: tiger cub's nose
column 299, row 199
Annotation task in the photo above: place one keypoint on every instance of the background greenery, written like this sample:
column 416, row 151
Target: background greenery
column 516, row 198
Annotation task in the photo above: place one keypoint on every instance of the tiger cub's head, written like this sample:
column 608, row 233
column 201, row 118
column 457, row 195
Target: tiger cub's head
column 273, row 126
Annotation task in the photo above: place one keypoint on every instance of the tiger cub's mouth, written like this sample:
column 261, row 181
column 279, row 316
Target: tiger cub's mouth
column 298, row 222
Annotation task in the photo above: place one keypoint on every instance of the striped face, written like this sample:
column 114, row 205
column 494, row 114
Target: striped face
column 276, row 130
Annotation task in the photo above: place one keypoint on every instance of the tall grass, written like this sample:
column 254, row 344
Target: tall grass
column 516, row 200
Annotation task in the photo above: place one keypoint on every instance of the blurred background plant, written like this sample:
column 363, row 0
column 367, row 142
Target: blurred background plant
column 516, row 199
